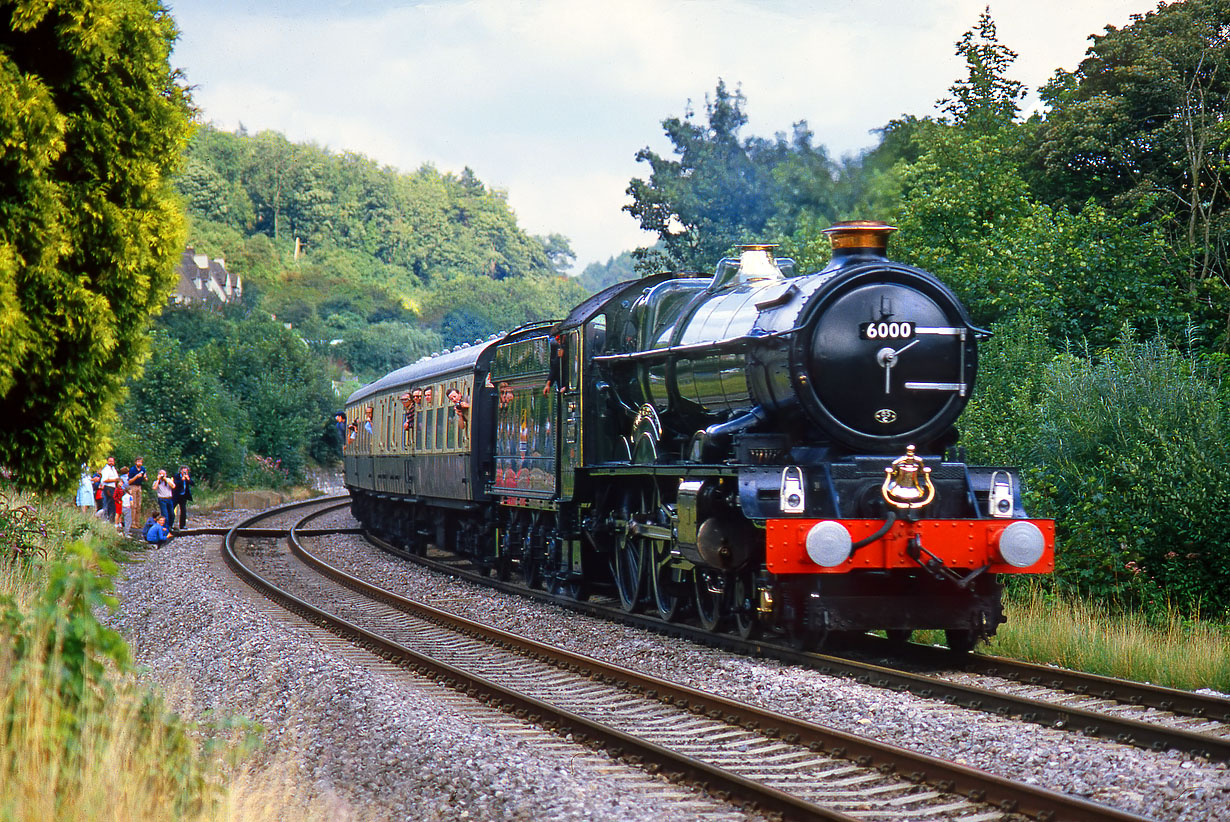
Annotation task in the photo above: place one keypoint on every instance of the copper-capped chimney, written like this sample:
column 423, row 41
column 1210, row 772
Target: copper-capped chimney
column 857, row 240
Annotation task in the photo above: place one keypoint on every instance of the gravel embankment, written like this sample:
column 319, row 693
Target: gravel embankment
column 373, row 744
column 393, row 746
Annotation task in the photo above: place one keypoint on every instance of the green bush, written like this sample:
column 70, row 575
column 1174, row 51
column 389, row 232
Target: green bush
column 1127, row 451
column 69, row 705
column 221, row 386
column 1135, row 446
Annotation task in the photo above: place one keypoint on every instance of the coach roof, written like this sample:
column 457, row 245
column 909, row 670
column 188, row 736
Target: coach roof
column 463, row 358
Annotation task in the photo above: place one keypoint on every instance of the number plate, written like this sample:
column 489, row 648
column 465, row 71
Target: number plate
column 886, row 331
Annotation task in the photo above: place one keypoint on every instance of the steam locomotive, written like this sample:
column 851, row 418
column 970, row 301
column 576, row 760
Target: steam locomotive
column 756, row 450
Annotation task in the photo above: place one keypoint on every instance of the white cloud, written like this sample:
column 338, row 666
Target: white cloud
column 550, row 100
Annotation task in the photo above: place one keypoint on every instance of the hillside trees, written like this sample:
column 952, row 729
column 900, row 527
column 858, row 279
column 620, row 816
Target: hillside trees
column 1141, row 126
column 422, row 226
column 92, row 120
column 598, row 276
column 340, row 247
column 222, row 387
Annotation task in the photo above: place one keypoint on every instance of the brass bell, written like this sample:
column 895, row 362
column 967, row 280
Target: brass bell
column 907, row 482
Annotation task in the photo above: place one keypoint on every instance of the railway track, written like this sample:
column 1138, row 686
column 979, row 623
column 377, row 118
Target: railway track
column 1132, row 713
column 736, row 751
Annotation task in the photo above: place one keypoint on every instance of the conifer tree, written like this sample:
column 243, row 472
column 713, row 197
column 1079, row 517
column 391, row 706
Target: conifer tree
column 985, row 99
column 92, row 122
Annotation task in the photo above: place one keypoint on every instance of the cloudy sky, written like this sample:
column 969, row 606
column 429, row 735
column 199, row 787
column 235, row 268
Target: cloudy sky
column 550, row 100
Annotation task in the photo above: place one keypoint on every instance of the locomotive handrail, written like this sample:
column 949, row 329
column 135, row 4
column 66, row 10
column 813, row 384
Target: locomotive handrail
column 682, row 350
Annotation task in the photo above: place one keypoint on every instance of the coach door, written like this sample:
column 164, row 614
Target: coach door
column 570, row 413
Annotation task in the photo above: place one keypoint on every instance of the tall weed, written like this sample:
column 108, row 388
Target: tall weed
column 79, row 737
column 1170, row 649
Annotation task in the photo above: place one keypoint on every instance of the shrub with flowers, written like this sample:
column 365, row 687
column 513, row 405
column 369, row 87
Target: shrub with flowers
column 265, row 472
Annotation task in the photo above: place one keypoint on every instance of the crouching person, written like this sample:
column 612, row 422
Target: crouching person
column 157, row 534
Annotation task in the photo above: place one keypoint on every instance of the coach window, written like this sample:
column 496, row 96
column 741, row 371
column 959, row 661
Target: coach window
column 380, row 430
column 429, row 429
column 450, row 414
column 388, row 425
column 420, row 427
column 402, row 432
column 377, row 426
column 441, row 417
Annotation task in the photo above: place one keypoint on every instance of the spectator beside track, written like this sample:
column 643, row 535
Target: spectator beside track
column 164, row 487
column 110, row 482
column 182, row 495
column 96, row 483
column 340, row 422
column 118, row 495
column 157, row 533
column 126, row 508
column 85, row 491
column 136, row 480
column 120, row 490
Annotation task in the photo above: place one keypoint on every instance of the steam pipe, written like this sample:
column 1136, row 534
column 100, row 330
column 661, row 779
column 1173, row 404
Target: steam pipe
column 739, row 423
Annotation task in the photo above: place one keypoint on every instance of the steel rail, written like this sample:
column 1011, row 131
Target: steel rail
column 709, row 776
column 1186, row 703
column 949, row 777
column 1124, row 730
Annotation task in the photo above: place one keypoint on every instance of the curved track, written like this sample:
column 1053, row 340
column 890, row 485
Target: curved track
column 1132, row 713
column 778, row 763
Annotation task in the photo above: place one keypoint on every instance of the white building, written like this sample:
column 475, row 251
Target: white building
column 204, row 282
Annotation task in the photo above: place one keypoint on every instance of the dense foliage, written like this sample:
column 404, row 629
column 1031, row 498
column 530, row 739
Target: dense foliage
column 1141, row 126
column 92, row 120
column 232, row 395
column 1126, row 450
column 335, row 244
column 967, row 214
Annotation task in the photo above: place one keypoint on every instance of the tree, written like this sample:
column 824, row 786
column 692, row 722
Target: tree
column 221, row 387
column 559, row 252
column 598, row 276
column 723, row 190
column 372, row 350
column 968, row 216
column 1141, row 126
column 92, row 122
column 985, row 99
column 713, row 197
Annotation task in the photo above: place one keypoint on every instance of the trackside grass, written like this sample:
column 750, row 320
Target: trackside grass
column 1173, row 652
column 81, row 737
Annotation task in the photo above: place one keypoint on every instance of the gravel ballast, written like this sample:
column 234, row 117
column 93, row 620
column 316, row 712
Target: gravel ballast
column 395, row 746
column 373, row 744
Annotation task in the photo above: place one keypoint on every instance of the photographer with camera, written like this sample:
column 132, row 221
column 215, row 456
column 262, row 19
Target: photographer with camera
column 181, row 495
